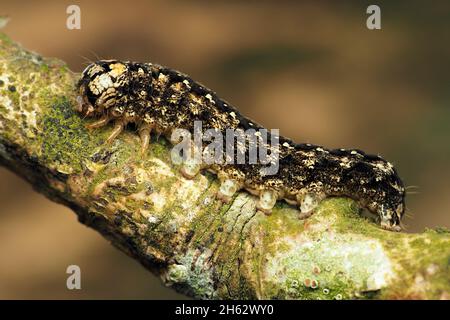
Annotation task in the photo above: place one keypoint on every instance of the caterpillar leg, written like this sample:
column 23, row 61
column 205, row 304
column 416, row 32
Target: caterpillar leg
column 307, row 203
column 192, row 164
column 227, row 189
column 187, row 154
column 266, row 201
column 118, row 128
column 144, row 134
column 103, row 121
column 190, row 168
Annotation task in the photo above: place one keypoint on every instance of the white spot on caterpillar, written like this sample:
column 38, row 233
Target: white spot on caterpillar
column 93, row 69
column 117, row 69
column 397, row 187
column 188, row 85
column 309, row 163
column 100, row 83
column 210, row 98
column 163, row 78
column 386, row 168
column 345, row 163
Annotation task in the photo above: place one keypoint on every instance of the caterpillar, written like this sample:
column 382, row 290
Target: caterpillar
column 158, row 99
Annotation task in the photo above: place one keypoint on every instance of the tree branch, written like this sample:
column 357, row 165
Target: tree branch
column 177, row 229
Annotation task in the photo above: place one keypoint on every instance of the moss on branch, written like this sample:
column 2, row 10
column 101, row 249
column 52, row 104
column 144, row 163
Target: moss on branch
column 177, row 229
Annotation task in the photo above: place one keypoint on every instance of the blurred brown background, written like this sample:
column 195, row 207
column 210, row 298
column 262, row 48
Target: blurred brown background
column 311, row 69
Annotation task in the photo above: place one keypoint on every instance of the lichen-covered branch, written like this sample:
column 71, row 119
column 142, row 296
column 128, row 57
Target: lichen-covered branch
column 177, row 229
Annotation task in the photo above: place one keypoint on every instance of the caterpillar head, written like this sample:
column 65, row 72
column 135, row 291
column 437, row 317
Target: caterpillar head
column 378, row 187
column 111, row 86
column 391, row 212
column 390, row 200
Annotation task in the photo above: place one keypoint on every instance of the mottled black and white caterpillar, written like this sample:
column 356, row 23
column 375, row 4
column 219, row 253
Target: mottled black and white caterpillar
column 159, row 99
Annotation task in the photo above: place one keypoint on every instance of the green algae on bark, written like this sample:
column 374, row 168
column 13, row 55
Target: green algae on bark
column 177, row 229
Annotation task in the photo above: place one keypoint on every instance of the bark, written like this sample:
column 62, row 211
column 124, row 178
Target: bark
column 177, row 229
